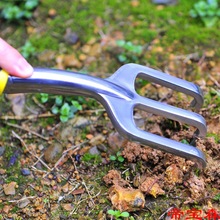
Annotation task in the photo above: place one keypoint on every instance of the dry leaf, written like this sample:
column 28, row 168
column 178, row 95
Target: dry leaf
column 68, row 206
column 126, row 199
column 173, row 174
column 9, row 189
column 150, row 186
column 18, row 103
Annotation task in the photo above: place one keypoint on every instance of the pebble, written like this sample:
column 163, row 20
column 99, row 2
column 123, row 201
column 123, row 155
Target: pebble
column 2, row 150
column 94, row 151
column 53, row 153
column 25, row 172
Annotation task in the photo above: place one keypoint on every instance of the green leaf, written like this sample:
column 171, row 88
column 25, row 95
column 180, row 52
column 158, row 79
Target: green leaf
column 59, row 100
column 64, row 118
column 122, row 58
column 112, row 157
column 55, row 110
column 65, row 109
column 120, row 43
column 76, row 104
column 44, row 97
column 121, row 159
column 184, row 141
column 111, row 212
column 125, row 214
column 31, row 4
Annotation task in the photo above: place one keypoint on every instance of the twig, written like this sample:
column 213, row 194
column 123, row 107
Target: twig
column 23, row 198
column 38, row 103
column 162, row 216
column 25, row 129
column 28, row 117
column 23, row 144
column 214, row 81
column 74, row 147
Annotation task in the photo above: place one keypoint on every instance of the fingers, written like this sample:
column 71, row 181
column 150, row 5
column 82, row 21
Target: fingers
column 13, row 62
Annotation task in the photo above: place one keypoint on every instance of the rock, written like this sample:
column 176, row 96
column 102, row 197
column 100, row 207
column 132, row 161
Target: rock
column 9, row 189
column 94, row 151
column 18, row 103
column 116, row 142
column 25, row 172
column 73, row 128
column 53, row 153
column 2, row 150
column 71, row 37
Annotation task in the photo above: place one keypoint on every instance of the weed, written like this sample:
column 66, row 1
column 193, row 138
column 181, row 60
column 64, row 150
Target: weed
column 208, row 11
column 17, row 10
column 66, row 107
column 184, row 141
column 28, row 50
column 118, row 214
column 94, row 158
column 217, row 198
column 213, row 98
column 117, row 157
column 130, row 51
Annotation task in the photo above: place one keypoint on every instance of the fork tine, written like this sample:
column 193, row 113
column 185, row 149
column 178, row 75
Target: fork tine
column 172, row 112
column 127, row 74
column 121, row 115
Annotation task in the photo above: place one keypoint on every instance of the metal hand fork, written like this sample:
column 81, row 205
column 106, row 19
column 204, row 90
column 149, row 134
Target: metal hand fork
column 117, row 94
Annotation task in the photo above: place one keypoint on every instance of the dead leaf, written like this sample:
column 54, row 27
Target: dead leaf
column 68, row 206
column 150, row 186
column 126, row 199
column 23, row 202
column 9, row 189
column 6, row 209
column 78, row 191
column 173, row 174
column 18, row 103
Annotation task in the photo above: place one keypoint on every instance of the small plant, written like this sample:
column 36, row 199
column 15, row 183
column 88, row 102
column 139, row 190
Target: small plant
column 217, row 198
column 208, row 11
column 117, row 157
column 118, row 214
column 66, row 107
column 94, row 158
column 17, row 10
column 130, row 51
column 28, row 50
column 184, row 141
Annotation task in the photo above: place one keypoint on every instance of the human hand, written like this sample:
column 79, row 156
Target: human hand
column 13, row 62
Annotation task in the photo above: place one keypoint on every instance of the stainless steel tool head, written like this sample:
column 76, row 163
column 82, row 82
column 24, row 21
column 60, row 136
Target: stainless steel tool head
column 119, row 97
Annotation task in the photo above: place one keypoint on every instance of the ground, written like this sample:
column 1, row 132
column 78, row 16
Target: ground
column 81, row 168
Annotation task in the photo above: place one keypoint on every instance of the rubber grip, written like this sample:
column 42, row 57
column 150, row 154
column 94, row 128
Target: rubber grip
column 3, row 80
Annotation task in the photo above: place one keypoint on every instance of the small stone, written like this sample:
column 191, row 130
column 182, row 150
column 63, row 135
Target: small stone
column 53, row 153
column 25, row 172
column 94, row 151
column 2, row 150
column 71, row 37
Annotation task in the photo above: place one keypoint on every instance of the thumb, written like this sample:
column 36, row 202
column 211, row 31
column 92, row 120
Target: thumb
column 13, row 62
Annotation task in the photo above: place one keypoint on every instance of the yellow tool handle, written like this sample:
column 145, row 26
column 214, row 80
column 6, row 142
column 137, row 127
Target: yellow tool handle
column 3, row 80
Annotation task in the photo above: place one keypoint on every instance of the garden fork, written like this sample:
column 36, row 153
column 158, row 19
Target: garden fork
column 119, row 97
